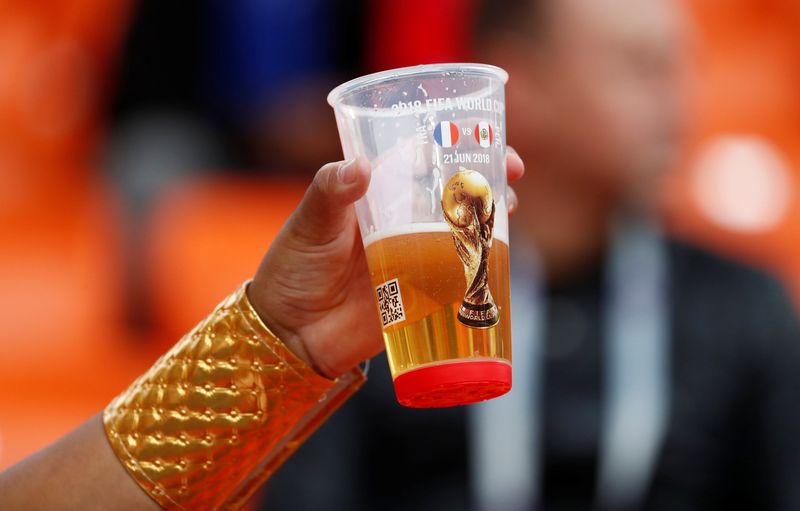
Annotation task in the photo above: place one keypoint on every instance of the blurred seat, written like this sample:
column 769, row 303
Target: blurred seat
column 63, row 353
column 61, row 358
column 204, row 239
column 744, row 88
column 56, row 57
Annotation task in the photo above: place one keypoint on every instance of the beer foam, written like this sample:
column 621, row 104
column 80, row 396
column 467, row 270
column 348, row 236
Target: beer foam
column 418, row 227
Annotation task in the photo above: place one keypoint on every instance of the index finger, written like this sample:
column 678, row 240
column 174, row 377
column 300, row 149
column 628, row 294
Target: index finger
column 515, row 168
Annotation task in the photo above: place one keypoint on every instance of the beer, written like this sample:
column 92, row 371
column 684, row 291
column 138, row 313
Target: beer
column 431, row 286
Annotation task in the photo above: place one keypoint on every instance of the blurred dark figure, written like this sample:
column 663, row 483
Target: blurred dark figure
column 234, row 85
column 649, row 374
column 217, row 93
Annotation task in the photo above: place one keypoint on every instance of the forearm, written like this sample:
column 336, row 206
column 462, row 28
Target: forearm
column 80, row 471
column 202, row 429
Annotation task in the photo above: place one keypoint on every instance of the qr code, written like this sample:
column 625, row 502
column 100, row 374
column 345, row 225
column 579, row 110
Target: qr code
column 390, row 303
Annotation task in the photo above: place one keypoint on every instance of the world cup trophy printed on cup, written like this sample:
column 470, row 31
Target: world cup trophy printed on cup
column 468, row 208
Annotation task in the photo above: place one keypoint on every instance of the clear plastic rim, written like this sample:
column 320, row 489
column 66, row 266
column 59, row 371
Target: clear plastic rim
column 405, row 72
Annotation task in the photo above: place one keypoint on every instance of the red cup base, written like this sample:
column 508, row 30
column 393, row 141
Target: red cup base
column 453, row 384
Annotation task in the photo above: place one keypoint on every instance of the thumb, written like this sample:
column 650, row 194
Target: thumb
column 326, row 206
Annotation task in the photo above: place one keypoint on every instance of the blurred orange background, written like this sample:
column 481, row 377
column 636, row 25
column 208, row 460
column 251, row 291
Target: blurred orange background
column 72, row 272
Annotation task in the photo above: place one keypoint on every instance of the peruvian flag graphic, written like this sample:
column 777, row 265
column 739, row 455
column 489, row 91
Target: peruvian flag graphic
column 446, row 134
column 483, row 134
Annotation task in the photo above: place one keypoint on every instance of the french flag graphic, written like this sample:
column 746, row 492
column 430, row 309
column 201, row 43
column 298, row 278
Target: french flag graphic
column 483, row 134
column 446, row 134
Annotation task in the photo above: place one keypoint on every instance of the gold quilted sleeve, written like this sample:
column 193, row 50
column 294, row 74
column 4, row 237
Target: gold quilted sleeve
column 215, row 416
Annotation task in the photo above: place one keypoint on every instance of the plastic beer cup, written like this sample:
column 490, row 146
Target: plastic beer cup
column 434, row 223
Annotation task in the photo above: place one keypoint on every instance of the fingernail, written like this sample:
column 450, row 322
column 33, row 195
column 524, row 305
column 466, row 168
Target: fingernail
column 346, row 174
column 512, row 150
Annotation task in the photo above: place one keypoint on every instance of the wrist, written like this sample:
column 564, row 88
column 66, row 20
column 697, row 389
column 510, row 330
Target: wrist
column 293, row 341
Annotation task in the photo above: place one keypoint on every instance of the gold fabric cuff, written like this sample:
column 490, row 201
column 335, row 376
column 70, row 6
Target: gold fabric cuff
column 215, row 416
